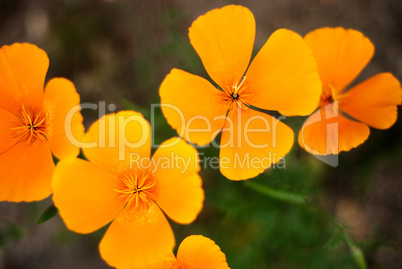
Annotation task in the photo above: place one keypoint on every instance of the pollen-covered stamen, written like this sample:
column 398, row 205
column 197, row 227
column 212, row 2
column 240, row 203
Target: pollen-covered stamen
column 237, row 87
column 236, row 96
column 32, row 125
column 137, row 188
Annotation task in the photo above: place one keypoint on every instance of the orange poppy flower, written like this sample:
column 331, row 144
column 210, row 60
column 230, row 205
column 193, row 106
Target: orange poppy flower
column 122, row 185
column 344, row 114
column 32, row 123
column 195, row 252
column 282, row 77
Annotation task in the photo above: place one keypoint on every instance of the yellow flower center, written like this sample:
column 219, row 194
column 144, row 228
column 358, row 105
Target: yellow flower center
column 32, row 125
column 235, row 96
column 137, row 189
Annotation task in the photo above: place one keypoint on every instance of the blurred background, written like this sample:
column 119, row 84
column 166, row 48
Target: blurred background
column 119, row 49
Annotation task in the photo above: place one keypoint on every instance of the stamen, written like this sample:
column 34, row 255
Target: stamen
column 32, row 125
column 237, row 87
column 138, row 188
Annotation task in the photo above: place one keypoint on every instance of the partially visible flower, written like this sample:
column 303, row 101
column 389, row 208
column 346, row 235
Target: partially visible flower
column 282, row 77
column 344, row 113
column 33, row 123
column 195, row 252
column 121, row 184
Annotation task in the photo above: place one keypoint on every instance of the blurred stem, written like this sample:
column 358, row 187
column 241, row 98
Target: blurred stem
column 356, row 252
column 275, row 194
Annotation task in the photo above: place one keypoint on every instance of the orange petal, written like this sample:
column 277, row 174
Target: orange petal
column 326, row 132
column 283, row 76
column 65, row 120
column 138, row 238
column 23, row 70
column 168, row 262
column 84, row 195
column 374, row 101
column 192, row 106
column 251, row 141
column 199, row 252
column 115, row 140
column 26, row 172
column 224, row 40
column 340, row 54
column 7, row 138
column 175, row 169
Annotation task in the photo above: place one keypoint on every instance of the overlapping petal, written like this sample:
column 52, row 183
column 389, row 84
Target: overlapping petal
column 26, row 172
column 85, row 196
column 116, row 140
column 192, row 106
column 65, row 120
column 23, row 70
column 179, row 193
column 283, row 76
column 328, row 132
column 175, row 157
column 137, row 237
column 251, row 141
column 199, row 252
column 340, row 54
column 224, row 40
column 168, row 262
column 374, row 101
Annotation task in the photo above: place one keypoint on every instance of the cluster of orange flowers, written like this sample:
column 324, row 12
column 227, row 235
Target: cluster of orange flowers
column 291, row 75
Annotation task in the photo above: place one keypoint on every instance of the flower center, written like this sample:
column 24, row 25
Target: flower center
column 327, row 96
column 236, row 88
column 235, row 96
column 137, row 189
column 326, row 100
column 32, row 125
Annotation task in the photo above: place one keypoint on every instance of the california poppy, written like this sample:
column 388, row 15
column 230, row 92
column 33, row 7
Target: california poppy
column 195, row 252
column 282, row 77
column 122, row 185
column 33, row 123
column 344, row 113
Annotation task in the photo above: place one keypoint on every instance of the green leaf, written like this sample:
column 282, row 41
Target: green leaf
column 49, row 213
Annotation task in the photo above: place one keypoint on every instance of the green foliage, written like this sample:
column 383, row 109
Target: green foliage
column 337, row 234
column 9, row 233
column 49, row 213
column 130, row 106
column 356, row 252
column 275, row 194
